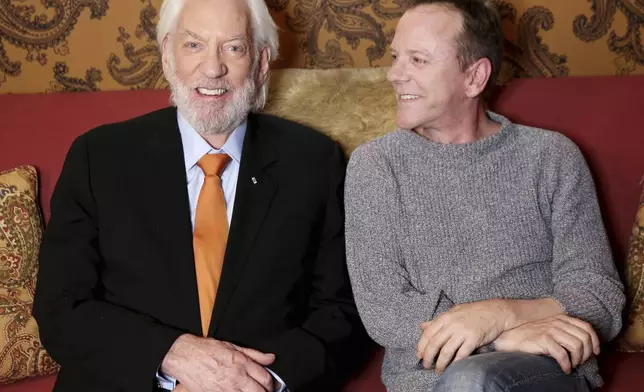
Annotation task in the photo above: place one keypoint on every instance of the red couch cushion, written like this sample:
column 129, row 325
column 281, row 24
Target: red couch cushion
column 37, row 384
column 621, row 373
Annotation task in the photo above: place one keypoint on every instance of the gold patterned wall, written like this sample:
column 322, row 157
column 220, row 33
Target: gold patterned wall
column 88, row 45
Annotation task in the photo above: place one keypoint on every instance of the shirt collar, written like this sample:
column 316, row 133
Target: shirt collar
column 195, row 146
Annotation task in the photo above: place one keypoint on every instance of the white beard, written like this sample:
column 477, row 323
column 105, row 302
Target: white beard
column 211, row 119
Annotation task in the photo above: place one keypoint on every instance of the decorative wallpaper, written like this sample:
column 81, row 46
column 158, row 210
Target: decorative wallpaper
column 89, row 45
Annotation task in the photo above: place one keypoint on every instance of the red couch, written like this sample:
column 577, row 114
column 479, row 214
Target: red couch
column 601, row 114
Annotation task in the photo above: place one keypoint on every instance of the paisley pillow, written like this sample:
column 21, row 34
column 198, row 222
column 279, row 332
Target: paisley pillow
column 633, row 336
column 21, row 353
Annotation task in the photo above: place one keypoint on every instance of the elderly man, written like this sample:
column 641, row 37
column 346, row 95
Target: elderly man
column 476, row 249
column 201, row 245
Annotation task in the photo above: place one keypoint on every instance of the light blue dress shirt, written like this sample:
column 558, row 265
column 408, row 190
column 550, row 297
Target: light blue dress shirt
column 195, row 147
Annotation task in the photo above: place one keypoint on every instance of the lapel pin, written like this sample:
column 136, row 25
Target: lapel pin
column 254, row 180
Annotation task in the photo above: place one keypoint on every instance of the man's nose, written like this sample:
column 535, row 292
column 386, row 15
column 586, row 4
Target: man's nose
column 397, row 73
column 213, row 65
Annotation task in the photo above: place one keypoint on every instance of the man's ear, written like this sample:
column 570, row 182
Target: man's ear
column 264, row 64
column 478, row 75
column 165, row 53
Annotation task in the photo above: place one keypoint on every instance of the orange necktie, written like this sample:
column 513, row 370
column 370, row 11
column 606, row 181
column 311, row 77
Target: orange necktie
column 210, row 234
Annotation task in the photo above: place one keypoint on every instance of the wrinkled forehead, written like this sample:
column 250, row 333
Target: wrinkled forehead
column 210, row 18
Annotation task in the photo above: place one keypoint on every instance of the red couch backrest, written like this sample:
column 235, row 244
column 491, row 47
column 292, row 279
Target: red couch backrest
column 38, row 129
column 601, row 114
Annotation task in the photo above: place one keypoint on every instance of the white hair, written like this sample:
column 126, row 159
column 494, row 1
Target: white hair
column 262, row 26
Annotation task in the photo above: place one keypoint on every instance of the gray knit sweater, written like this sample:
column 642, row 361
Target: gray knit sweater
column 512, row 216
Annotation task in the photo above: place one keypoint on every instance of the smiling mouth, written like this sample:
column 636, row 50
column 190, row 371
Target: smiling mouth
column 407, row 97
column 212, row 93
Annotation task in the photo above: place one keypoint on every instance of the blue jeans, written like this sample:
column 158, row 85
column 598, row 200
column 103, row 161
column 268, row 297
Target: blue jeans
column 509, row 372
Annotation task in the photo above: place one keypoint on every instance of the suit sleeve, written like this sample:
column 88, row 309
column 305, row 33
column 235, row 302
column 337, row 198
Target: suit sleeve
column 331, row 342
column 83, row 333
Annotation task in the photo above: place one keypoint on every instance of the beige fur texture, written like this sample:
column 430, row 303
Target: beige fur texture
column 351, row 106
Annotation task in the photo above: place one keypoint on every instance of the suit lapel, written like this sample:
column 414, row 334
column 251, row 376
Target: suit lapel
column 256, row 188
column 168, row 211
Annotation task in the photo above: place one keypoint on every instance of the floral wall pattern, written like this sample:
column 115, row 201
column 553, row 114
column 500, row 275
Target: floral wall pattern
column 91, row 45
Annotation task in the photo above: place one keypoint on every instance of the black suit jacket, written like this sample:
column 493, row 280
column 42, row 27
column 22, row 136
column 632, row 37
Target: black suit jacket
column 117, row 282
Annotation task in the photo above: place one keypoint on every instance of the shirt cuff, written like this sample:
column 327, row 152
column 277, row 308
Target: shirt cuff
column 168, row 383
column 282, row 387
column 165, row 382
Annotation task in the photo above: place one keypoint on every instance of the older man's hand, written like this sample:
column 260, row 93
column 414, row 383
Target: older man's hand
column 209, row 365
column 456, row 333
column 568, row 340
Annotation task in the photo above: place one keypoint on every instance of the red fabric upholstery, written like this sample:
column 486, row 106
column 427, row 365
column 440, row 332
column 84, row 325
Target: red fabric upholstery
column 38, row 384
column 621, row 372
column 601, row 114
column 37, row 129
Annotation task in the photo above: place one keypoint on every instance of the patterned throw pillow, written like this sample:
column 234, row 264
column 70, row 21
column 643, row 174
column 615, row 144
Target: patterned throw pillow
column 21, row 353
column 633, row 337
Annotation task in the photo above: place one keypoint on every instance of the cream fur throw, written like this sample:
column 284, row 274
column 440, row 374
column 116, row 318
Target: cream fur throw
column 352, row 106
